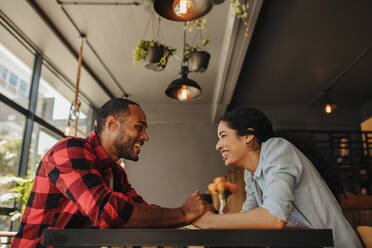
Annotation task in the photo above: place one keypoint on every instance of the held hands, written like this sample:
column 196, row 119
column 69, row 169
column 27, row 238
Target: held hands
column 194, row 207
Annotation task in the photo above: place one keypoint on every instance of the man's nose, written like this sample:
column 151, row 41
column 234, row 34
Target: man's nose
column 145, row 137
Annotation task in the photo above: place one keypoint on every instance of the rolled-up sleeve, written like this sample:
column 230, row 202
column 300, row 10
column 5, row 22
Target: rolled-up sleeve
column 282, row 171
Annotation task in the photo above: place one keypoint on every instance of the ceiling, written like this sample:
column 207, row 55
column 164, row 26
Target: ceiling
column 294, row 50
column 300, row 48
column 113, row 31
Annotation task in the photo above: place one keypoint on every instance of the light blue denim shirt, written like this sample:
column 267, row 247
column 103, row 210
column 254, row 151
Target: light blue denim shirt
column 289, row 187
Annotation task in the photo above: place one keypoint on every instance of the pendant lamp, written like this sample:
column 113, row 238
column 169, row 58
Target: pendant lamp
column 184, row 89
column 182, row 10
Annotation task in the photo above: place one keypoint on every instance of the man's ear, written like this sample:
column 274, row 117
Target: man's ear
column 111, row 123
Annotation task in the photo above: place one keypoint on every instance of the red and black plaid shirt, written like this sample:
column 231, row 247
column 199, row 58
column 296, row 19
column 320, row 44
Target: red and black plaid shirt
column 71, row 190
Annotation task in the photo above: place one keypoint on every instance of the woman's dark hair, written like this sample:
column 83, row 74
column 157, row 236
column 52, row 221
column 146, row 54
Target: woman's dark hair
column 242, row 119
column 114, row 107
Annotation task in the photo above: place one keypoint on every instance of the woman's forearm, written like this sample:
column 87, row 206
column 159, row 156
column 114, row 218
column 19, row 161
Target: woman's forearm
column 257, row 218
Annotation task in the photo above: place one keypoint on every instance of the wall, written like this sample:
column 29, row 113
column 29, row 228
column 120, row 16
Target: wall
column 179, row 158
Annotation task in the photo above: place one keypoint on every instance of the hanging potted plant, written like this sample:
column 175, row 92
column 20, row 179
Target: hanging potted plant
column 198, row 59
column 153, row 54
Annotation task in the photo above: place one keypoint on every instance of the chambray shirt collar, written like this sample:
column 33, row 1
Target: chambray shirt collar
column 258, row 172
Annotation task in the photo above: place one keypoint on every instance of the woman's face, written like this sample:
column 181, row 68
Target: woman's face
column 232, row 147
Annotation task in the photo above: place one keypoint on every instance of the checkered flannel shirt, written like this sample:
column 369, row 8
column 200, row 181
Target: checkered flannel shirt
column 71, row 190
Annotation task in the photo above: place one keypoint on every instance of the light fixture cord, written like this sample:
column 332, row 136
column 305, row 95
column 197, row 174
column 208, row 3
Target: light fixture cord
column 184, row 62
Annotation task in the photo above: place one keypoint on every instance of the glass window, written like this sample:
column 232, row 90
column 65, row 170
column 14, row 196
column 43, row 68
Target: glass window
column 17, row 70
column 23, row 87
column 54, row 101
column 11, row 131
column 3, row 72
column 42, row 141
column 13, row 79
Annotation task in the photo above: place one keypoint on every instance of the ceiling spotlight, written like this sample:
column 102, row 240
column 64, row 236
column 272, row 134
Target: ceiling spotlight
column 182, row 10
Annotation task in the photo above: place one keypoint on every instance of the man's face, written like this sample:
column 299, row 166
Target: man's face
column 131, row 134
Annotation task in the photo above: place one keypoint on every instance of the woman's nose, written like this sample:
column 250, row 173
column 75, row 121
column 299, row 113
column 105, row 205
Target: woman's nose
column 218, row 145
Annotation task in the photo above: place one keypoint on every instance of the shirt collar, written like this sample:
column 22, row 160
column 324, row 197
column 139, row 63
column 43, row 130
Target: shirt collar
column 103, row 158
column 258, row 171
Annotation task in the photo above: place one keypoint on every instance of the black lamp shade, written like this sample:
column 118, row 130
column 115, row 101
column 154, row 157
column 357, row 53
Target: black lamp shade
column 175, row 86
column 199, row 8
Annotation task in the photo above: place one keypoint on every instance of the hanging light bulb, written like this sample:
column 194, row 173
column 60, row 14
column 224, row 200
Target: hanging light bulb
column 328, row 108
column 330, row 105
column 183, row 8
column 183, row 94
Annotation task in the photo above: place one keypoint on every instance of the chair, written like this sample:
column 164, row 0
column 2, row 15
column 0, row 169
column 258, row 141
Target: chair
column 365, row 232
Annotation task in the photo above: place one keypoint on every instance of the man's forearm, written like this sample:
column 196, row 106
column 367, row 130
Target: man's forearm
column 145, row 216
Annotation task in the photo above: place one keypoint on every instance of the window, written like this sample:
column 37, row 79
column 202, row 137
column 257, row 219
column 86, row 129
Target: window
column 23, row 87
column 11, row 132
column 42, row 140
column 12, row 70
column 13, row 79
column 54, row 101
column 48, row 120
column 3, row 72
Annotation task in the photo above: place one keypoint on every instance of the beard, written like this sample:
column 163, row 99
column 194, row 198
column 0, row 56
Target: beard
column 124, row 146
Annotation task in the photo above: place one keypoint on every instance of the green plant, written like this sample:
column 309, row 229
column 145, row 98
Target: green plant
column 241, row 13
column 139, row 53
column 20, row 193
column 199, row 25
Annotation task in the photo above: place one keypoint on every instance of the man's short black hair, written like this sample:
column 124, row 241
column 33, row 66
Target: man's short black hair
column 113, row 107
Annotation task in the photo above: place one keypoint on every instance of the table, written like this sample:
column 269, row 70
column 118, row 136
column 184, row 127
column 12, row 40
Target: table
column 182, row 237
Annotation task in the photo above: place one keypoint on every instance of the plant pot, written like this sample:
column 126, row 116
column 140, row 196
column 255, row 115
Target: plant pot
column 198, row 61
column 152, row 58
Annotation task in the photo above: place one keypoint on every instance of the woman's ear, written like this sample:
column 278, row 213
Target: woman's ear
column 249, row 138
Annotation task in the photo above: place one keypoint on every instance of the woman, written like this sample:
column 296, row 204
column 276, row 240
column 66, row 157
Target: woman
column 283, row 187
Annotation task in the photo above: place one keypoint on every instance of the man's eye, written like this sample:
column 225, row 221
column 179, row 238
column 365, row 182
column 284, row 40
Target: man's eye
column 139, row 128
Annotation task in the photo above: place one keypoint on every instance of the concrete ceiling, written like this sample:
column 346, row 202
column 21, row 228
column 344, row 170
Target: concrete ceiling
column 300, row 48
column 113, row 32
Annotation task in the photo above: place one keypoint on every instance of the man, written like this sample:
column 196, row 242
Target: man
column 78, row 184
